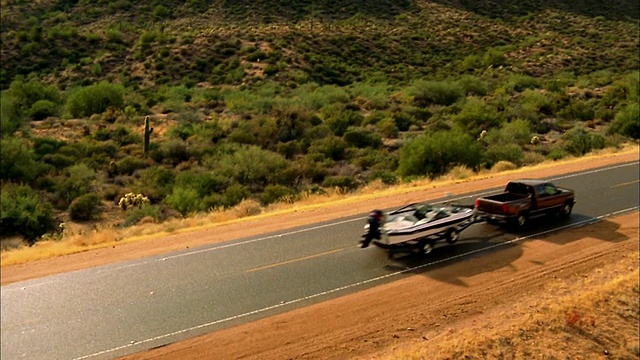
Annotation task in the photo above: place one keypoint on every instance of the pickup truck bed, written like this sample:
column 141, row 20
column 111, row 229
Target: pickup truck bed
column 523, row 199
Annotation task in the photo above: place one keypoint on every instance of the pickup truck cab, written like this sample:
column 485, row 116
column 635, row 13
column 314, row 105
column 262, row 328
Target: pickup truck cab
column 524, row 199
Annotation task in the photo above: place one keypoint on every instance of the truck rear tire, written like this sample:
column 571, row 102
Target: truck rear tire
column 565, row 212
column 520, row 221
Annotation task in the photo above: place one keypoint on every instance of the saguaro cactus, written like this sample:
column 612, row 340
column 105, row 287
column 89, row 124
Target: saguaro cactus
column 147, row 135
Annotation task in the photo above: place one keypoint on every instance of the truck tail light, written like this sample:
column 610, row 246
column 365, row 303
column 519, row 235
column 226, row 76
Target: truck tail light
column 505, row 208
column 477, row 203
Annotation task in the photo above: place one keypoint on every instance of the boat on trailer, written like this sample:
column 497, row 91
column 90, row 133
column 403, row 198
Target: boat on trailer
column 417, row 226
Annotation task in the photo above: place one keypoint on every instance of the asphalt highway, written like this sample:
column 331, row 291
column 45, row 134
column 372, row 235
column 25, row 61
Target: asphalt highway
column 110, row 311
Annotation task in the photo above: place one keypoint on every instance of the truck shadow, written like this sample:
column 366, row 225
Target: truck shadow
column 485, row 248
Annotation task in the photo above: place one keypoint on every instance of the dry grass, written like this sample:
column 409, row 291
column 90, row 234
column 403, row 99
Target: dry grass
column 76, row 238
column 587, row 318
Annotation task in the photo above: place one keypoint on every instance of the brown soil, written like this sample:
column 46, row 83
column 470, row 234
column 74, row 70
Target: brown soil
column 438, row 302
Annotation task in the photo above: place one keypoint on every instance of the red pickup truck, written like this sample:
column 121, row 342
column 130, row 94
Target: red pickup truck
column 524, row 199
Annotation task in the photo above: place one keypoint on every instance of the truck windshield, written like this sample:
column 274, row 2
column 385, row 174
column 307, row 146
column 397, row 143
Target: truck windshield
column 517, row 188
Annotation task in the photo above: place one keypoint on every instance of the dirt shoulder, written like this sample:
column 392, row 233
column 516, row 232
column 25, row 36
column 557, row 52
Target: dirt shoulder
column 254, row 226
column 472, row 306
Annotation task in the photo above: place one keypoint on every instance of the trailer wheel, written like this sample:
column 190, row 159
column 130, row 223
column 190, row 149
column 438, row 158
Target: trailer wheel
column 426, row 247
column 452, row 236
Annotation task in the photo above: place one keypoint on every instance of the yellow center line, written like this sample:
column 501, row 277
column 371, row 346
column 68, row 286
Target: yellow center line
column 627, row 183
column 295, row 260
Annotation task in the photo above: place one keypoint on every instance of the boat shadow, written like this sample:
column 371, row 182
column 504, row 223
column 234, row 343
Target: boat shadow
column 486, row 248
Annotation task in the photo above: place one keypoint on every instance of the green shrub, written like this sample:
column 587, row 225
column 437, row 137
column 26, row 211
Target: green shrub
column 138, row 213
column 473, row 86
column 627, row 122
column 388, row 128
column 274, row 193
column 515, row 132
column 24, row 213
column 59, row 161
column 184, row 200
column 205, row 183
column 43, row 109
column 426, row 93
column 95, row 99
column 250, row 165
column 339, row 122
column 578, row 141
column 16, row 160
column 503, row 152
column 494, row 57
column 343, row 183
column 331, row 147
column 11, row 117
column 85, row 207
column 362, row 138
column 46, row 146
column 129, row 164
column 476, row 116
column 434, row 154
column 160, row 12
column 157, row 182
column 234, row 194
column 78, row 181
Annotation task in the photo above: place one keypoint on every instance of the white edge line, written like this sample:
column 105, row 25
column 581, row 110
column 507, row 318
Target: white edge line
column 378, row 278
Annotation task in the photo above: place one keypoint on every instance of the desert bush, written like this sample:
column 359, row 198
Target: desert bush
column 145, row 211
column 184, row 200
column 157, row 182
column 362, row 138
column 343, row 183
column 387, row 128
column 25, row 94
column 78, row 181
column 85, row 207
column 516, row 132
column 129, row 164
column 578, row 110
column 578, row 141
column 494, row 57
column 250, row 165
column 339, row 122
column 205, row 183
column 504, row 165
column 43, row 109
column 331, row 147
column 519, row 83
column 476, row 116
column 95, row 99
column 627, row 122
column 11, row 117
column 275, row 193
column 235, row 194
column 17, row 160
column 434, row 154
column 426, row 93
column 497, row 152
column 59, row 161
column 24, row 213
column 473, row 86
column 44, row 145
